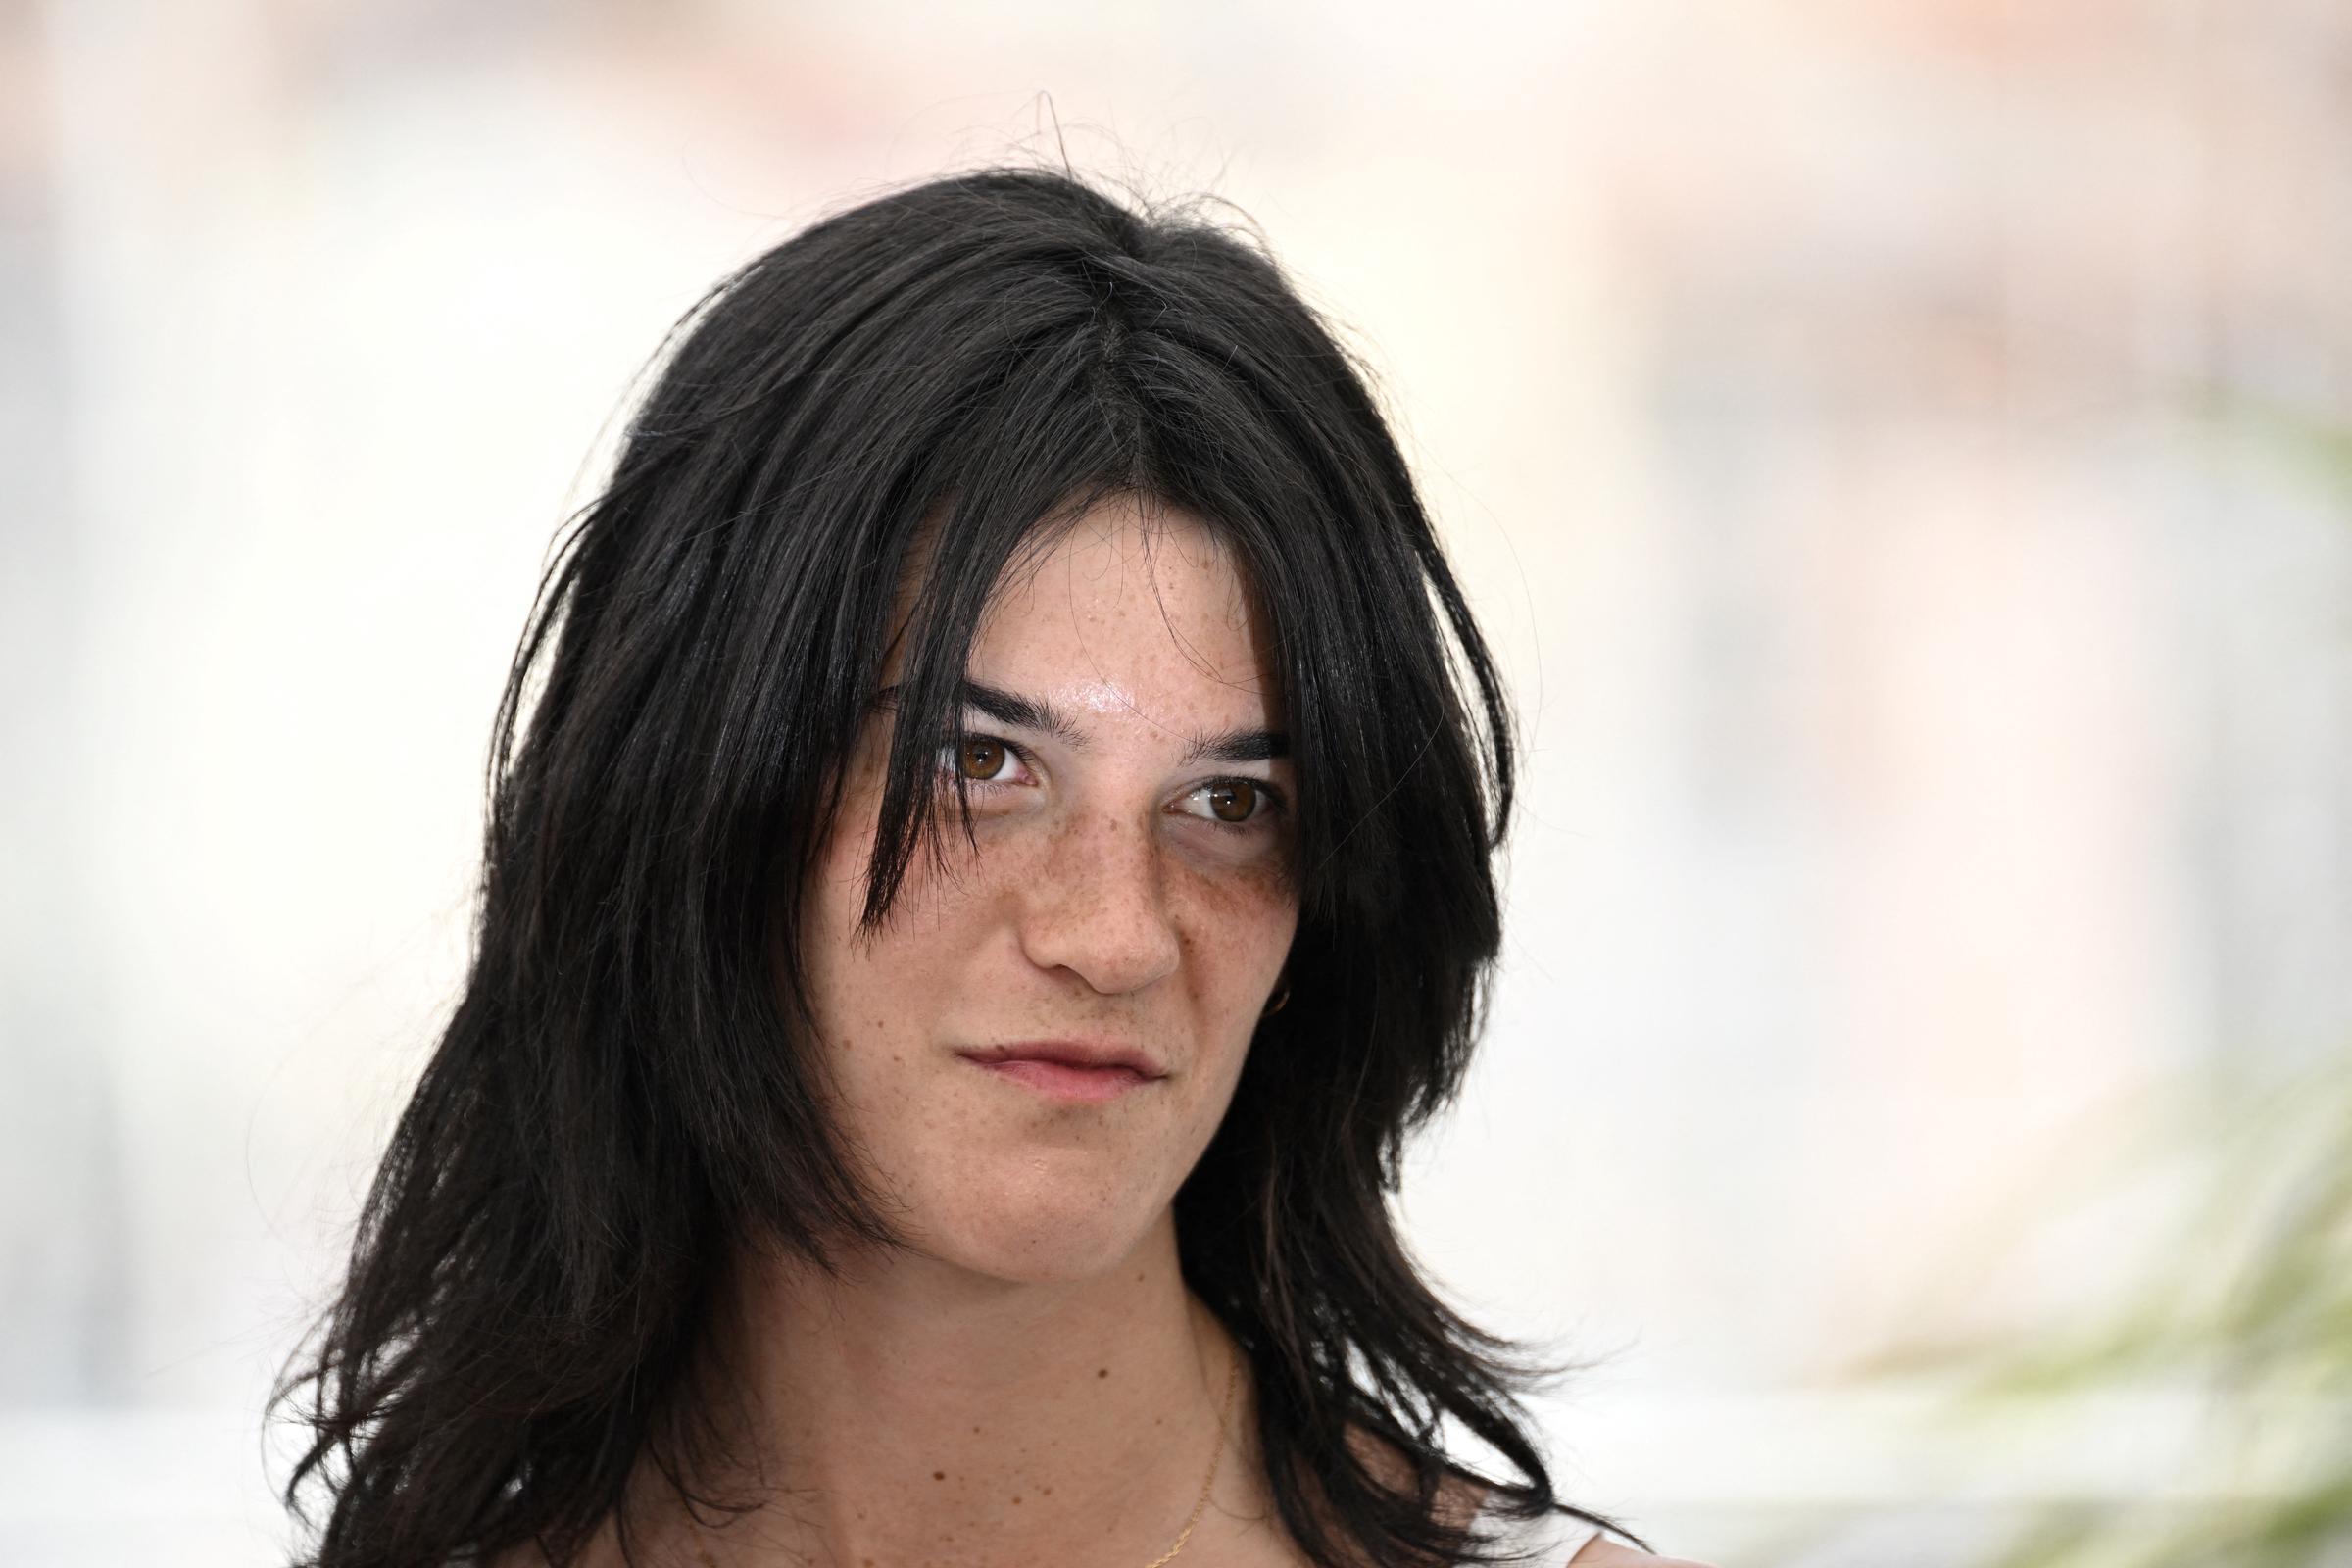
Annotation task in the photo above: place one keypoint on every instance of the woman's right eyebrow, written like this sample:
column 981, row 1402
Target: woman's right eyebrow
column 1006, row 707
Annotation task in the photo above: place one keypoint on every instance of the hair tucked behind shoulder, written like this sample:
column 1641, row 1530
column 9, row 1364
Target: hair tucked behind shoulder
column 623, row 1087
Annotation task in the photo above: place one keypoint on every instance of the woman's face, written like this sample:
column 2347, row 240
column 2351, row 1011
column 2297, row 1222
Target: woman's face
column 1130, row 892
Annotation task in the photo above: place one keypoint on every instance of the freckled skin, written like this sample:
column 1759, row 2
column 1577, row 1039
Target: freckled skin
column 1109, row 897
column 1105, row 899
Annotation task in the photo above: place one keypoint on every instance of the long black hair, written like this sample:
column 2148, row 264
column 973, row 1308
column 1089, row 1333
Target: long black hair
column 624, row 1088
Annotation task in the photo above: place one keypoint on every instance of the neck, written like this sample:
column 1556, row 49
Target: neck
column 909, row 1411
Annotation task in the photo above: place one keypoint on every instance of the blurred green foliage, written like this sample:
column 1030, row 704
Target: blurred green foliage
column 2249, row 1301
column 2253, row 1305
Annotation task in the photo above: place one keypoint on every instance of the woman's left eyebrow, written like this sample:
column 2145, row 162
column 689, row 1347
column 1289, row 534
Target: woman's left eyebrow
column 1036, row 713
column 1238, row 745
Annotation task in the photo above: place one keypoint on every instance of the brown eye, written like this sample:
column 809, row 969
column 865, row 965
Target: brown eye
column 1247, row 802
column 1233, row 801
column 980, row 759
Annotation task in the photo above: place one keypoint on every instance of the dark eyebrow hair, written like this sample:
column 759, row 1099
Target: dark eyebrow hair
column 1035, row 712
column 1238, row 745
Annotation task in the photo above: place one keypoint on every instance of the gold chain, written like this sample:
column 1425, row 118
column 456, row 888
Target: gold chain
column 1233, row 1377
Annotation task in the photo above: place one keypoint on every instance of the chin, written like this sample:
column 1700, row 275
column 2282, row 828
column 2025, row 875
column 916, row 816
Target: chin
column 1016, row 1233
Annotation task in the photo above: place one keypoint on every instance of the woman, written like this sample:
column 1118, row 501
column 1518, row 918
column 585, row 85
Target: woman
column 997, row 864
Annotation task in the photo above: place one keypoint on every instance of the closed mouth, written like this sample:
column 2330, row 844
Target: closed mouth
column 1078, row 1054
column 1061, row 1081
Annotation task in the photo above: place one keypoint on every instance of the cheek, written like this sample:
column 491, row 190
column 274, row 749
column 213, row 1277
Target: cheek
column 1237, row 926
column 882, row 998
column 853, row 972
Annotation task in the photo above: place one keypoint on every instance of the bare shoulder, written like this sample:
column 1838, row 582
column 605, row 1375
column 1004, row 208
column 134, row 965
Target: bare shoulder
column 1460, row 1500
column 1600, row 1553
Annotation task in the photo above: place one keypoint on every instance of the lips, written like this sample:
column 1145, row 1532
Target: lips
column 1081, row 1053
column 1071, row 1071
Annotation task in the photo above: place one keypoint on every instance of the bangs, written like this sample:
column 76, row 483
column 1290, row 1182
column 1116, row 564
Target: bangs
column 1025, row 448
column 1115, row 391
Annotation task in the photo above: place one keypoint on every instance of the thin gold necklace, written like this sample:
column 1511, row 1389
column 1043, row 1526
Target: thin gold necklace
column 1233, row 1377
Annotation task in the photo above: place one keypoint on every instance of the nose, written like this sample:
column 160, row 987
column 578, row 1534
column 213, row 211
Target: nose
column 1097, row 907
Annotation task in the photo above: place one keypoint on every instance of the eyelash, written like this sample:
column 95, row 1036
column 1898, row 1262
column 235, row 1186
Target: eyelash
column 1275, row 802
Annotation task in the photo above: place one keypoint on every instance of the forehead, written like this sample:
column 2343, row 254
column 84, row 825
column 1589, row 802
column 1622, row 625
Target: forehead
column 1124, row 612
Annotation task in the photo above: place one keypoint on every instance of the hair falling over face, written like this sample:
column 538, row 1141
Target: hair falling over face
column 860, row 436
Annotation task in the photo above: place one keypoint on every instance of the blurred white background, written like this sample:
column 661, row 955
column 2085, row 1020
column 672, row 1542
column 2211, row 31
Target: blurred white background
column 1869, row 428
